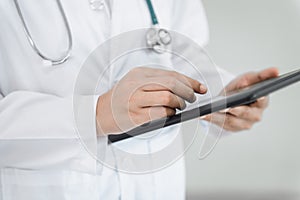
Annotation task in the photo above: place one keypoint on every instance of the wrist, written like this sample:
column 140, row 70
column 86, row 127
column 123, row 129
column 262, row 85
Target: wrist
column 104, row 117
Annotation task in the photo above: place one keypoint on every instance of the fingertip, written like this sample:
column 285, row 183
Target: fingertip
column 262, row 99
column 225, row 110
column 194, row 99
column 205, row 117
column 202, row 118
column 275, row 71
column 262, row 102
column 183, row 106
column 271, row 72
column 203, row 89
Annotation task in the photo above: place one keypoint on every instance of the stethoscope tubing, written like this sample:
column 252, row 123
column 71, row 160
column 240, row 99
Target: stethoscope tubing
column 156, row 41
column 54, row 61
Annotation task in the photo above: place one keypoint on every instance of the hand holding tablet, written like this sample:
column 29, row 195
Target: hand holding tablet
column 244, row 90
column 245, row 116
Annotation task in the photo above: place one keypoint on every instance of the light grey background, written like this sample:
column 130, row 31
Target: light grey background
column 263, row 163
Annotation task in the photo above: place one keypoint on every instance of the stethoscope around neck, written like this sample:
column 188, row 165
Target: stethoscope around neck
column 157, row 39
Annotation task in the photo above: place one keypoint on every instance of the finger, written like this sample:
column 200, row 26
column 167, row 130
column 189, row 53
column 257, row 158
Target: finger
column 252, row 114
column 148, row 114
column 192, row 83
column 159, row 98
column 256, row 77
column 225, row 110
column 268, row 73
column 229, row 122
column 154, row 113
column 261, row 103
column 172, row 85
column 252, row 78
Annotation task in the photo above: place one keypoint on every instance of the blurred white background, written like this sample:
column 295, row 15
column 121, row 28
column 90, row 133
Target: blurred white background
column 263, row 163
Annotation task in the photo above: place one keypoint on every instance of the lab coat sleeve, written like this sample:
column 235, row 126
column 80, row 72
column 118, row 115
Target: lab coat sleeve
column 40, row 131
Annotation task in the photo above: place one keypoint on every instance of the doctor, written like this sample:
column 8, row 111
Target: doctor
column 41, row 155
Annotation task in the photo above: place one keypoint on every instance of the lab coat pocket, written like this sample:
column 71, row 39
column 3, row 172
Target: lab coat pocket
column 45, row 185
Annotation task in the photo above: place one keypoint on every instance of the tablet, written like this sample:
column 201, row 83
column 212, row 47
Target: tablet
column 239, row 97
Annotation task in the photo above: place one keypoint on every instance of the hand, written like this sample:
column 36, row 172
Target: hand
column 142, row 95
column 243, row 117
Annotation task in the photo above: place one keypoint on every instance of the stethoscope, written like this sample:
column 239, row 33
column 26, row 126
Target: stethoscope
column 157, row 39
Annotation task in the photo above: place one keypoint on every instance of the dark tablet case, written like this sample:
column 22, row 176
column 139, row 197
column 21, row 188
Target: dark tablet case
column 244, row 96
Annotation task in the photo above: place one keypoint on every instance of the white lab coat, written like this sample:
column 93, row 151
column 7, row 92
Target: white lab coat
column 41, row 156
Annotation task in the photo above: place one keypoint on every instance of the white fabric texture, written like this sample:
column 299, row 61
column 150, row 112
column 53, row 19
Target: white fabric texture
column 42, row 155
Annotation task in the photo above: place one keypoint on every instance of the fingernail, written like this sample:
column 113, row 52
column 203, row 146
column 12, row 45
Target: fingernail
column 203, row 88
column 262, row 98
column 224, row 111
column 203, row 117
